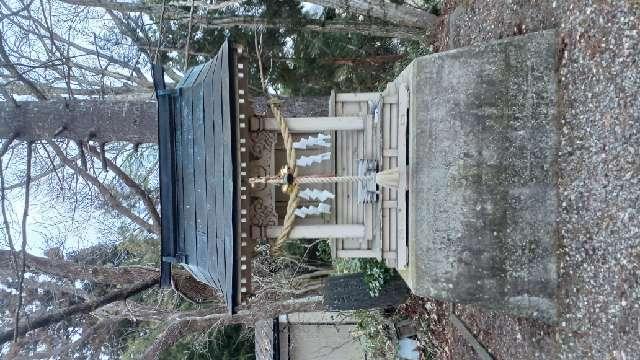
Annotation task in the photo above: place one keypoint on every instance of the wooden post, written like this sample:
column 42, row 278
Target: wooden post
column 403, row 109
column 323, row 231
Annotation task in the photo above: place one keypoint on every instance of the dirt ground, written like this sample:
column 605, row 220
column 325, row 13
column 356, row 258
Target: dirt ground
column 599, row 179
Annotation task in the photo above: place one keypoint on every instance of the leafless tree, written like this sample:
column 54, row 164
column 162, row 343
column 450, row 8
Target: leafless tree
column 77, row 104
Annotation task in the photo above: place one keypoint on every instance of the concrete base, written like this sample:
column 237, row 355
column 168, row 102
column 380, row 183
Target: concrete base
column 483, row 198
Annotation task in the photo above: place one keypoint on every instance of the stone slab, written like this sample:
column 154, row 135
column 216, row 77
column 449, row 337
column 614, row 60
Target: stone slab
column 483, row 198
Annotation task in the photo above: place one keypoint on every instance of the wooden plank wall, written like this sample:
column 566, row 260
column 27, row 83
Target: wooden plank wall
column 384, row 141
column 350, row 146
column 206, row 174
column 389, row 196
column 394, row 129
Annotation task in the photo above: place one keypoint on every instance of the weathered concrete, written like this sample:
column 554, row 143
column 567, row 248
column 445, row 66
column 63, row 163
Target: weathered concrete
column 483, row 196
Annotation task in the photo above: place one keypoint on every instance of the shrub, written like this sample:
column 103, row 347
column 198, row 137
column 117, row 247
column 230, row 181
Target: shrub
column 376, row 334
column 376, row 273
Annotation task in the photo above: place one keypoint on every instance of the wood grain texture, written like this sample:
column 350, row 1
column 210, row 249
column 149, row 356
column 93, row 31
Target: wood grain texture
column 403, row 119
column 209, row 92
column 166, row 153
column 229, row 176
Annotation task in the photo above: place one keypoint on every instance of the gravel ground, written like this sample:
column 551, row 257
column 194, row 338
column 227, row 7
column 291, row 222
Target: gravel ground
column 599, row 177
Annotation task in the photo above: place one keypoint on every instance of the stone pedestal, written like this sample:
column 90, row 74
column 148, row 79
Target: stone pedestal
column 483, row 198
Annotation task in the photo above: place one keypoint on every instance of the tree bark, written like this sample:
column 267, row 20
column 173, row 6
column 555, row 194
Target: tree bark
column 121, row 6
column 184, row 283
column 16, row 88
column 100, row 120
column 149, row 8
column 65, row 269
column 410, row 19
column 329, row 26
column 369, row 60
column 83, row 308
column 385, row 10
column 106, row 121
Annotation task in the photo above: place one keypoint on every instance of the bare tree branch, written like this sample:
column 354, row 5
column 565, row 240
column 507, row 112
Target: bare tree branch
column 186, row 48
column 332, row 26
column 5, row 218
column 92, row 89
column 82, row 308
column 56, row 40
column 134, row 311
column 23, row 267
column 121, row 275
column 87, row 334
column 127, row 180
column 106, row 193
column 181, row 326
column 7, row 95
column 35, row 178
column 160, row 30
column 385, row 10
column 8, row 64
column 16, row 12
column 150, row 8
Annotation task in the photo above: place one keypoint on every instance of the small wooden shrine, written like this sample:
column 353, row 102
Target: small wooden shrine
column 212, row 144
column 449, row 175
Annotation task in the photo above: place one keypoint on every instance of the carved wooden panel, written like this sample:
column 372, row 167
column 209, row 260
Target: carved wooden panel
column 261, row 212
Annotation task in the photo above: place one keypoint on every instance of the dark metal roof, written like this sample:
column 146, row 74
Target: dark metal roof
column 198, row 165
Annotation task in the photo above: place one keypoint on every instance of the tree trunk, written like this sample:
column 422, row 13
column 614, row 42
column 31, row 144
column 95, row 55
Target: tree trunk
column 149, row 8
column 121, row 6
column 83, row 308
column 105, row 121
column 65, row 269
column 184, row 283
column 369, row 60
column 409, row 18
column 329, row 26
column 386, row 10
column 98, row 120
